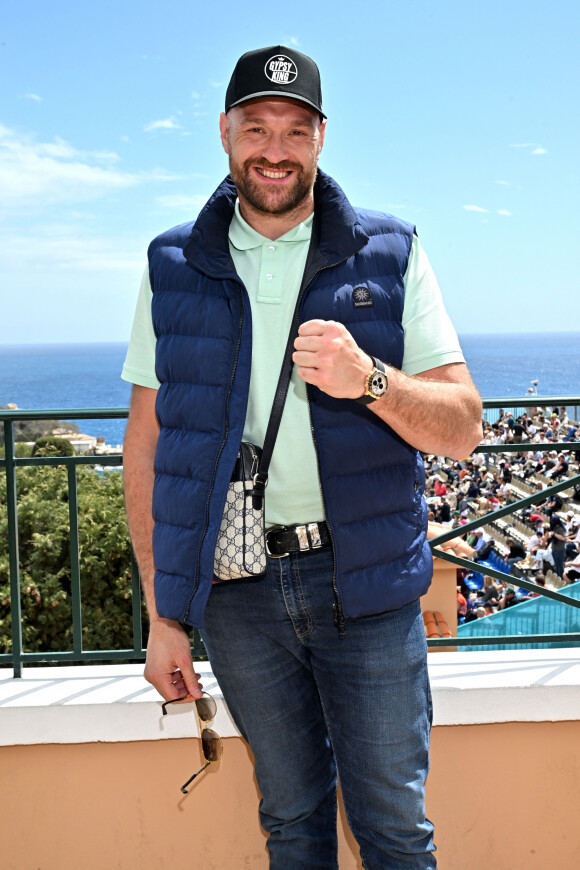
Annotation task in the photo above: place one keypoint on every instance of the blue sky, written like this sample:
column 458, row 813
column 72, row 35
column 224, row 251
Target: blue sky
column 460, row 117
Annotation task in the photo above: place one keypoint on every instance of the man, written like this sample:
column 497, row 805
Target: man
column 483, row 545
column 439, row 487
column 506, row 472
column 463, row 504
column 536, row 541
column 552, row 505
column 461, row 604
column 444, row 511
column 520, row 430
column 572, row 570
column 557, row 535
column 322, row 661
column 509, row 599
column 561, row 468
column 515, row 554
column 472, row 490
column 572, row 535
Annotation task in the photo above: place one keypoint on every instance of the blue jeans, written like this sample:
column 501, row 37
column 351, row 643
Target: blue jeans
column 310, row 702
column 559, row 557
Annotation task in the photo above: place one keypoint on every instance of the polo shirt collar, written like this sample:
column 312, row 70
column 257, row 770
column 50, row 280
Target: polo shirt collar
column 244, row 237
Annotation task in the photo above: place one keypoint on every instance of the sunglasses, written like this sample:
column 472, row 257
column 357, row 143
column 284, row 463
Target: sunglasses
column 211, row 743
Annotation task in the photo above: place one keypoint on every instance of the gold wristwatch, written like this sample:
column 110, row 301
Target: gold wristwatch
column 376, row 383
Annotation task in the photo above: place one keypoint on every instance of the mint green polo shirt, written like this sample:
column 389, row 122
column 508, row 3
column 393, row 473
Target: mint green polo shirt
column 272, row 272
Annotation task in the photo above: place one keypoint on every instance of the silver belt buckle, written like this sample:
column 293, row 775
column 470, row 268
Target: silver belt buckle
column 302, row 536
column 314, row 535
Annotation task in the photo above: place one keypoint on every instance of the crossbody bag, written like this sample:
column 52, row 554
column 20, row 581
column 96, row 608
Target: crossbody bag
column 241, row 545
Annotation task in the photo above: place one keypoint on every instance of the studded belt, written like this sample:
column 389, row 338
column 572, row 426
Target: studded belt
column 283, row 540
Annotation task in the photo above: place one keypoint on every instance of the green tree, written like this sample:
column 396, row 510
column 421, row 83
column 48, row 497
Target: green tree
column 50, row 445
column 104, row 552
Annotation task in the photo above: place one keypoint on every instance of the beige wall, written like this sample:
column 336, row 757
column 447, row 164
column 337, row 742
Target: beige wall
column 503, row 797
column 442, row 595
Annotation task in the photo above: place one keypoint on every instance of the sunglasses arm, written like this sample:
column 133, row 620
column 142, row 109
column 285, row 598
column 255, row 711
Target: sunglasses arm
column 191, row 778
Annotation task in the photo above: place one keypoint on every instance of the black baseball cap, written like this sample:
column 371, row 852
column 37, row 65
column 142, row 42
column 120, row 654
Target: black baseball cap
column 276, row 71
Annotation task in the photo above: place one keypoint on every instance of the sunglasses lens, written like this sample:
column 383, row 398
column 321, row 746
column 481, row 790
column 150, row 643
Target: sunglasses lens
column 211, row 744
column 206, row 708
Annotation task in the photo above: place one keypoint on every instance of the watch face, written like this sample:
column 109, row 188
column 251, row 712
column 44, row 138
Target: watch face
column 378, row 384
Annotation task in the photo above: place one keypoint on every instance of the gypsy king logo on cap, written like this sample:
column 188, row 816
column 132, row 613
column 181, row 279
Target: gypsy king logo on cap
column 281, row 70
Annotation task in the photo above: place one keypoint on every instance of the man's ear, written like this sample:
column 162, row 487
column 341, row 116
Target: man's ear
column 224, row 124
column 322, row 130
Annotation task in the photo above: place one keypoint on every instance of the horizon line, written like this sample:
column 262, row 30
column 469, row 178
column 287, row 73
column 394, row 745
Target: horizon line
column 6, row 344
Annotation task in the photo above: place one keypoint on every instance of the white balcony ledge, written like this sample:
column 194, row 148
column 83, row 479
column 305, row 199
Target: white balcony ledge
column 113, row 703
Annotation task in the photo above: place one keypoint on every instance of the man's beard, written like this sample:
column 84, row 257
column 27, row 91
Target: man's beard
column 273, row 200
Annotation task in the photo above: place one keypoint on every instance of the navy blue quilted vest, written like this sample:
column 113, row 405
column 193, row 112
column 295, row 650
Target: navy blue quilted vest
column 371, row 479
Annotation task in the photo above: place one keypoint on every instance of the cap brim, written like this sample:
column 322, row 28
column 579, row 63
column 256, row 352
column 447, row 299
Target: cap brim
column 284, row 96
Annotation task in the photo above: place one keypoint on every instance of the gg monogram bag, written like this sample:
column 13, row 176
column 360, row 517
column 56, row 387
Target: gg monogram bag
column 240, row 550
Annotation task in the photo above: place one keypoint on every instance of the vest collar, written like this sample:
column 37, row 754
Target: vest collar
column 338, row 230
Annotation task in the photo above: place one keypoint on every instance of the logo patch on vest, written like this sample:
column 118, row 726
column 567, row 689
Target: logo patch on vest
column 281, row 70
column 362, row 297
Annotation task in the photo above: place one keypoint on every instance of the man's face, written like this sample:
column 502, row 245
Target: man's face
column 273, row 147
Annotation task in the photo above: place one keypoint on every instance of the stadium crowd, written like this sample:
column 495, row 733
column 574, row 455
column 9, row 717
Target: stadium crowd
column 541, row 542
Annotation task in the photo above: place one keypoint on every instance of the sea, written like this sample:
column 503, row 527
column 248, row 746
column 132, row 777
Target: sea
column 65, row 376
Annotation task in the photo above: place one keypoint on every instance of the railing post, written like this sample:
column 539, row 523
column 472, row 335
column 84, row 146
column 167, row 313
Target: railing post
column 75, row 571
column 13, row 551
column 197, row 647
column 136, row 605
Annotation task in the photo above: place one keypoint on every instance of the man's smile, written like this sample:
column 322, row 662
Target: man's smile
column 273, row 173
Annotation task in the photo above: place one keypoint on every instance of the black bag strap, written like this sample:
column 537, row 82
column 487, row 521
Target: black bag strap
column 313, row 264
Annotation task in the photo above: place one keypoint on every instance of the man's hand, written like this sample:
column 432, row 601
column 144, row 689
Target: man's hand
column 456, row 545
column 169, row 666
column 328, row 357
column 417, row 407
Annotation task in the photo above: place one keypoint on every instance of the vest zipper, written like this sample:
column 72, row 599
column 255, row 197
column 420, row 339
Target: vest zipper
column 218, row 457
column 339, row 618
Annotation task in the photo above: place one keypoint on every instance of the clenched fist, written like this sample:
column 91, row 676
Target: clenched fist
column 328, row 357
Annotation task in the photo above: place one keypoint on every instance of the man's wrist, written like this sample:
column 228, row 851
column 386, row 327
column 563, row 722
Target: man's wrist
column 376, row 382
column 161, row 622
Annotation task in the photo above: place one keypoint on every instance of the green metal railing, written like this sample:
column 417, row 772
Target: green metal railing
column 517, row 405
column 10, row 463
